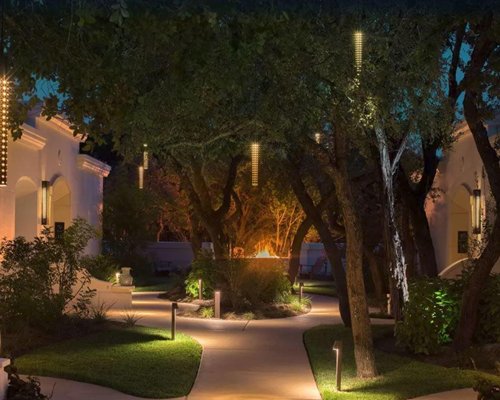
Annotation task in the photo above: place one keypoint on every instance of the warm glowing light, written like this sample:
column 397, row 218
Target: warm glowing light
column 145, row 156
column 45, row 202
column 4, row 133
column 317, row 137
column 476, row 211
column 141, row 177
column 358, row 50
column 255, row 153
column 265, row 253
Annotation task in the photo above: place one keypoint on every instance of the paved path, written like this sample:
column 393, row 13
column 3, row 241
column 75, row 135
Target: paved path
column 241, row 360
column 461, row 394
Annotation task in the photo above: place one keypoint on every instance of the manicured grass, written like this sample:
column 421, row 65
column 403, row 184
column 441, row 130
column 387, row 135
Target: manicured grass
column 154, row 283
column 401, row 377
column 326, row 288
column 139, row 361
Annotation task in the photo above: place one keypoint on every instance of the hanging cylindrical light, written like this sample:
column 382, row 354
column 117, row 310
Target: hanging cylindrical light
column 255, row 154
column 145, row 156
column 476, row 211
column 141, row 177
column 45, row 202
column 358, row 50
column 4, row 133
column 317, row 137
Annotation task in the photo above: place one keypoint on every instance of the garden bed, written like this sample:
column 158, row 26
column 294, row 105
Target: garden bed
column 138, row 361
column 400, row 377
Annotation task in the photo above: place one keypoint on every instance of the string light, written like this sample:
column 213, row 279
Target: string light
column 145, row 156
column 255, row 153
column 4, row 133
column 141, row 177
column 358, row 50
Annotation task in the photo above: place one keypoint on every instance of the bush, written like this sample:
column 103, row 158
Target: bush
column 40, row 279
column 20, row 389
column 487, row 390
column 430, row 315
column 206, row 312
column 204, row 268
column 432, row 312
column 102, row 267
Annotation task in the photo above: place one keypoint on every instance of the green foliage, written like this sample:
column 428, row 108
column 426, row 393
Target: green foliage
column 487, row 390
column 99, row 313
column 102, row 267
column 206, row 312
column 430, row 315
column 432, row 312
column 130, row 319
column 20, row 389
column 41, row 278
column 204, row 268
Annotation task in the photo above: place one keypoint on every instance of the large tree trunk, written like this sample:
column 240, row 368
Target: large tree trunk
column 486, row 261
column 360, row 319
column 378, row 280
column 298, row 239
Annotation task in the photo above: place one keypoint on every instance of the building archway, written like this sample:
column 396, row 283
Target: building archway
column 61, row 205
column 459, row 224
column 26, row 208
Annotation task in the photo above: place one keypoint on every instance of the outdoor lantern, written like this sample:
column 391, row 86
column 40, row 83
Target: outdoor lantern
column 45, row 202
column 476, row 211
column 358, row 50
column 145, row 156
column 141, row 177
column 4, row 134
column 255, row 153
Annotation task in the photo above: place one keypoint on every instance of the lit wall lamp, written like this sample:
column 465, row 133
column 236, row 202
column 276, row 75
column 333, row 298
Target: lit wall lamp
column 476, row 211
column 255, row 154
column 4, row 132
column 45, row 202
column 145, row 156
column 141, row 177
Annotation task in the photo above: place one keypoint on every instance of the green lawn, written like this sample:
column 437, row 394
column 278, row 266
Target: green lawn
column 401, row 377
column 155, row 283
column 138, row 361
column 326, row 288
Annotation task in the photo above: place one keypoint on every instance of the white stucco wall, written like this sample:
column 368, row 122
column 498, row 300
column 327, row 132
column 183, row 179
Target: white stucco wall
column 49, row 151
column 459, row 173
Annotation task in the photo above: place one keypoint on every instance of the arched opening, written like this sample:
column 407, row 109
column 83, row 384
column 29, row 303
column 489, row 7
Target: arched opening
column 61, row 205
column 26, row 208
column 459, row 224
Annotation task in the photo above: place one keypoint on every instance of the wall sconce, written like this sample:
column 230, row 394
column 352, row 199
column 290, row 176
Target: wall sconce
column 255, row 153
column 4, row 132
column 141, row 177
column 145, row 156
column 476, row 211
column 45, row 202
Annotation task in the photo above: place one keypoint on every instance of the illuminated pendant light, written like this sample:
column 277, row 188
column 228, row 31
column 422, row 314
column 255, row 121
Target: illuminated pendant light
column 4, row 133
column 476, row 211
column 255, row 153
column 141, row 177
column 145, row 156
column 358, row 51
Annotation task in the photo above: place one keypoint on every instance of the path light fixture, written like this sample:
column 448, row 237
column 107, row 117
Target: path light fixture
column 45, row 202
column 173, row 325
column 337, row 348
column 476, row 211
column 301, row 291
column 145, row 156
column 141, row 177
column 217, row 304
column 117, row 277
column 200, row 289
column 255, row 155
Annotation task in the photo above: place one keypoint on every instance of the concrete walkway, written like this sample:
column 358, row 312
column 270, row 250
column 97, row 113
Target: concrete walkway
column 245, row 360
column 461, row 394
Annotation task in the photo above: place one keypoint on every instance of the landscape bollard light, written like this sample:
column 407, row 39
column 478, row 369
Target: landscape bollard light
column 337, row 348
column 217, row 304
column 301, row 291
column 200, row 289
column 117, row 276
column 175, row 307
column 389, row 304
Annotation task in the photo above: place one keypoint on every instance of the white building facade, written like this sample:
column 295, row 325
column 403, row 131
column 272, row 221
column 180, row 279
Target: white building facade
column 462, row 203
column 49, row 183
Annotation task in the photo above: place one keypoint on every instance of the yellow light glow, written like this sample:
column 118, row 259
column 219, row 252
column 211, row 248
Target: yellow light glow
column 145, row 156
column 358, row 50
column 317, row 137
column 45, row 202
column 255, row 153
column 141, row 177
column 476, row 211
column 4, row 132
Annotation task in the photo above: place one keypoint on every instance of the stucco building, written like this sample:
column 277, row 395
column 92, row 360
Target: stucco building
column 49, row 183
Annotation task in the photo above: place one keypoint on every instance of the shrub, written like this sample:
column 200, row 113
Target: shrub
column 41, row 278
column 130, row 319
column 430, row 315
column 102, row 267
column 487, row 390
column 206, row 312
column 20, row 389
column 204, row 268
column 488, row 330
